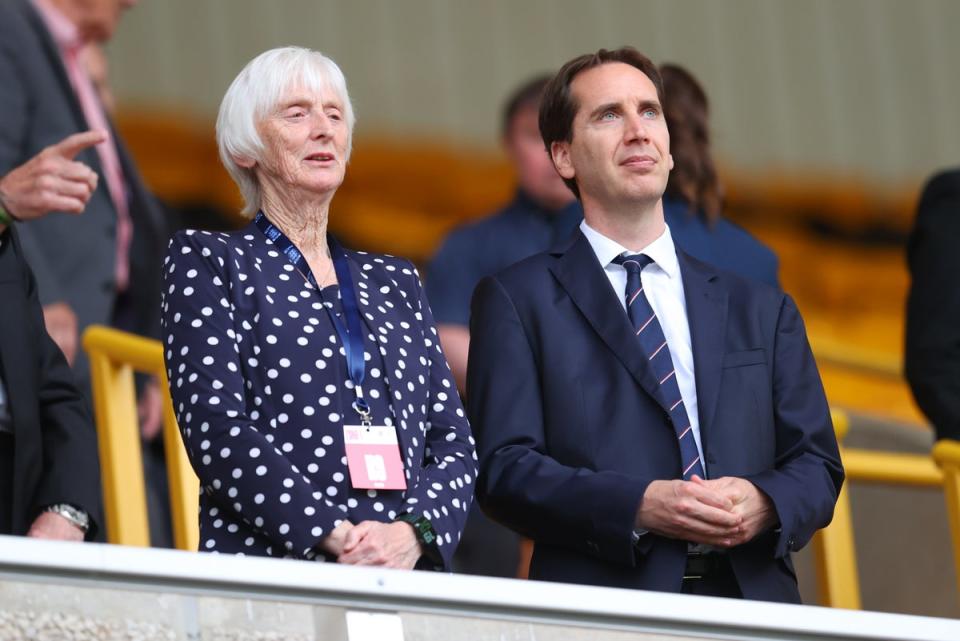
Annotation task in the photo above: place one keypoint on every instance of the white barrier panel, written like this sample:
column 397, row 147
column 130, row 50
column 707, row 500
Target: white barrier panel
column 92, row 591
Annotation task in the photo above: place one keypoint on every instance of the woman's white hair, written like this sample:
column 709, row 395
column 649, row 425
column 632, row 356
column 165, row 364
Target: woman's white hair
column 255, row 92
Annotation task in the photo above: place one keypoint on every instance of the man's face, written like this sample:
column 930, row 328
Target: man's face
column 96, row 19
column 535, row 171
column 620, row 151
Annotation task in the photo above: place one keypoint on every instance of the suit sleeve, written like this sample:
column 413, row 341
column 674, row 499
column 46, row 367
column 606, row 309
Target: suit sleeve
column 520, row 485
column 14, row 118
column 807, row 474
column 70, row 459
column 444, row 490
column 238, row 466
column 932, row 358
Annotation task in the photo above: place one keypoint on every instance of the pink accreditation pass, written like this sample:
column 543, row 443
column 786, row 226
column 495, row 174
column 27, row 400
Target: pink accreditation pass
column 373, row 457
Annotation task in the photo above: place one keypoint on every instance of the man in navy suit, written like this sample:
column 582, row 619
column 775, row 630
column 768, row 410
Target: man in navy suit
column 649, row 421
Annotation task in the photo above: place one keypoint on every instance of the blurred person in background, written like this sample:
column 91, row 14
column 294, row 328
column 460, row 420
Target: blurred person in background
column 932, row 356
column 311, row 390
column 49, row 470
column 542, row 212
column 103, row 268
column 693, row 202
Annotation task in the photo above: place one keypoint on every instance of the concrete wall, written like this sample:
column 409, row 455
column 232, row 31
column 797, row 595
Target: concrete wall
column 863, row 89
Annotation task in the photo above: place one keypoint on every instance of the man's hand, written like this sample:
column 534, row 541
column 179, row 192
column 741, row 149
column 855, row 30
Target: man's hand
column 689, row 511
column 753, row 506
column 50, row 525
column 52, row 180
column 333, row 544
column 61, row 324
column 150, row 410
column 391, row 545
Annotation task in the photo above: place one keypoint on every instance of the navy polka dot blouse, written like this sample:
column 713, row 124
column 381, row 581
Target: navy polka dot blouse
column 261, row 391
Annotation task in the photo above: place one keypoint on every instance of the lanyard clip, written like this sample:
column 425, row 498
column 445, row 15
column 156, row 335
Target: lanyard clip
column 361, row 407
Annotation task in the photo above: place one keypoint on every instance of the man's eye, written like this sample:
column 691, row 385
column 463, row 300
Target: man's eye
column 650, row 113
column 335, row 115
column 295, row 113
column 608, row 115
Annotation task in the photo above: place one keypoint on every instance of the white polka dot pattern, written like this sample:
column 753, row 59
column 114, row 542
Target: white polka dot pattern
column 260, row 389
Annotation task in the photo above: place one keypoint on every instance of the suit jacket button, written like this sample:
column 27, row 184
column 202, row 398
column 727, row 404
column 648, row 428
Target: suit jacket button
column 593, row 547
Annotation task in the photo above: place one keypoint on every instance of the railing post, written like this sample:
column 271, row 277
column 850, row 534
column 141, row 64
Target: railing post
column 946, row 453
column 834, row 553
column 118, row 436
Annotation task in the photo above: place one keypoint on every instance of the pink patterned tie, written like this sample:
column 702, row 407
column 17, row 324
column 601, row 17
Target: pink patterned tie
column 109, row 159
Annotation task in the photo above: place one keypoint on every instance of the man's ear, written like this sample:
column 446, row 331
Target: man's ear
column 670, row 158
column 560, row 154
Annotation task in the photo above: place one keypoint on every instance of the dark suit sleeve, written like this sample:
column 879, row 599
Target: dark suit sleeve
column 14, row 119
column 932, row 363
column 807, row 475
column 70, row 460
column 520, row 485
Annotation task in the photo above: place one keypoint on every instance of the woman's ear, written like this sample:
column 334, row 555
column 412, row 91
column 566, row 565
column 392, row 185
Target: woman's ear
column 245, row 161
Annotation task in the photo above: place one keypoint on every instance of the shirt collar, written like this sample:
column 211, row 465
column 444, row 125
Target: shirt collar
column 662, row 250
column 64, row 32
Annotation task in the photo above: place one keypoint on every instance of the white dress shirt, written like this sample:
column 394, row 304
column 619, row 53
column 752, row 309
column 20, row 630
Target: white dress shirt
column 663, row 287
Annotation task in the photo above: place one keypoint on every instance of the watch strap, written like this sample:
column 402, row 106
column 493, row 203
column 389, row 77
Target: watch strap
column 75, row 515
column 426, row 535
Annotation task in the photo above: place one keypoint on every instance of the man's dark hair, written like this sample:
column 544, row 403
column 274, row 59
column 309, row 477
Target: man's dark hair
column 694, row 177
column 558, row 108
column 526, row 95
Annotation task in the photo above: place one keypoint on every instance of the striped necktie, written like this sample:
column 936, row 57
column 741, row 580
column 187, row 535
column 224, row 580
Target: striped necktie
column 654, row 345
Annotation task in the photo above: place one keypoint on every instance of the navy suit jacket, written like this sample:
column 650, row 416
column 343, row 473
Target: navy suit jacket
column 570, row 433
column 55, row 444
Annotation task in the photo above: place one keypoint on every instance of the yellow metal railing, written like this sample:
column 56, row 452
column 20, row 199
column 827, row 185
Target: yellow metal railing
column 841, row 353
column 833, row 547
column 114, row 357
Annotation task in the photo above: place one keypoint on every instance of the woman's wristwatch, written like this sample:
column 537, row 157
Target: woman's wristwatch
column 75, row 515
column 426, row 535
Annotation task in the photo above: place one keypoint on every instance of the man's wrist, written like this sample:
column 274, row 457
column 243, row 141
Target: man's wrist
column 76, row 516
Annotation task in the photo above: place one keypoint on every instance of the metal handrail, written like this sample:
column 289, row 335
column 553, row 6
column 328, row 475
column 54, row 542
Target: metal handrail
column 114, row 356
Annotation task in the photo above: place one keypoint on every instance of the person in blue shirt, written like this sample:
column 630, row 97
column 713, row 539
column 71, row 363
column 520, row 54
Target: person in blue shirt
column 693, row 201
column 542, row 212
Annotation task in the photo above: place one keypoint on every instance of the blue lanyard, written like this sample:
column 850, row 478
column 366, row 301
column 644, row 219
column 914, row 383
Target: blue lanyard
column 351, row 334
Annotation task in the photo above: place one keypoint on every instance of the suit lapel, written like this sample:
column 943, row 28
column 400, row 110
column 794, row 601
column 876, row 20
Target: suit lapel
column 580, row 274
column 707, row 316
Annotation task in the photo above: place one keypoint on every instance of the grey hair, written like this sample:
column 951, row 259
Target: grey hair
column 255, row 92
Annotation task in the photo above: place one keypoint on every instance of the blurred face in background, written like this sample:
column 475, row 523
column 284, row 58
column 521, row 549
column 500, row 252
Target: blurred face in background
column 536, row 173
column 96, row 19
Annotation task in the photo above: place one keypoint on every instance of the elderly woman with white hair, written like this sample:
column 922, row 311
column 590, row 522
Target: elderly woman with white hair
column 313, row 397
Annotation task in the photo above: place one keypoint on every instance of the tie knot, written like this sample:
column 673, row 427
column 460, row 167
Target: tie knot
column 633, row 263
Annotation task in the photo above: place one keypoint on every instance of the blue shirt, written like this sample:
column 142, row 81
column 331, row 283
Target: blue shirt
column 721, row 244
column 483, row 248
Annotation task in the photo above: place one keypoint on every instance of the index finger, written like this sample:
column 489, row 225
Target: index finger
column 74, row 144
